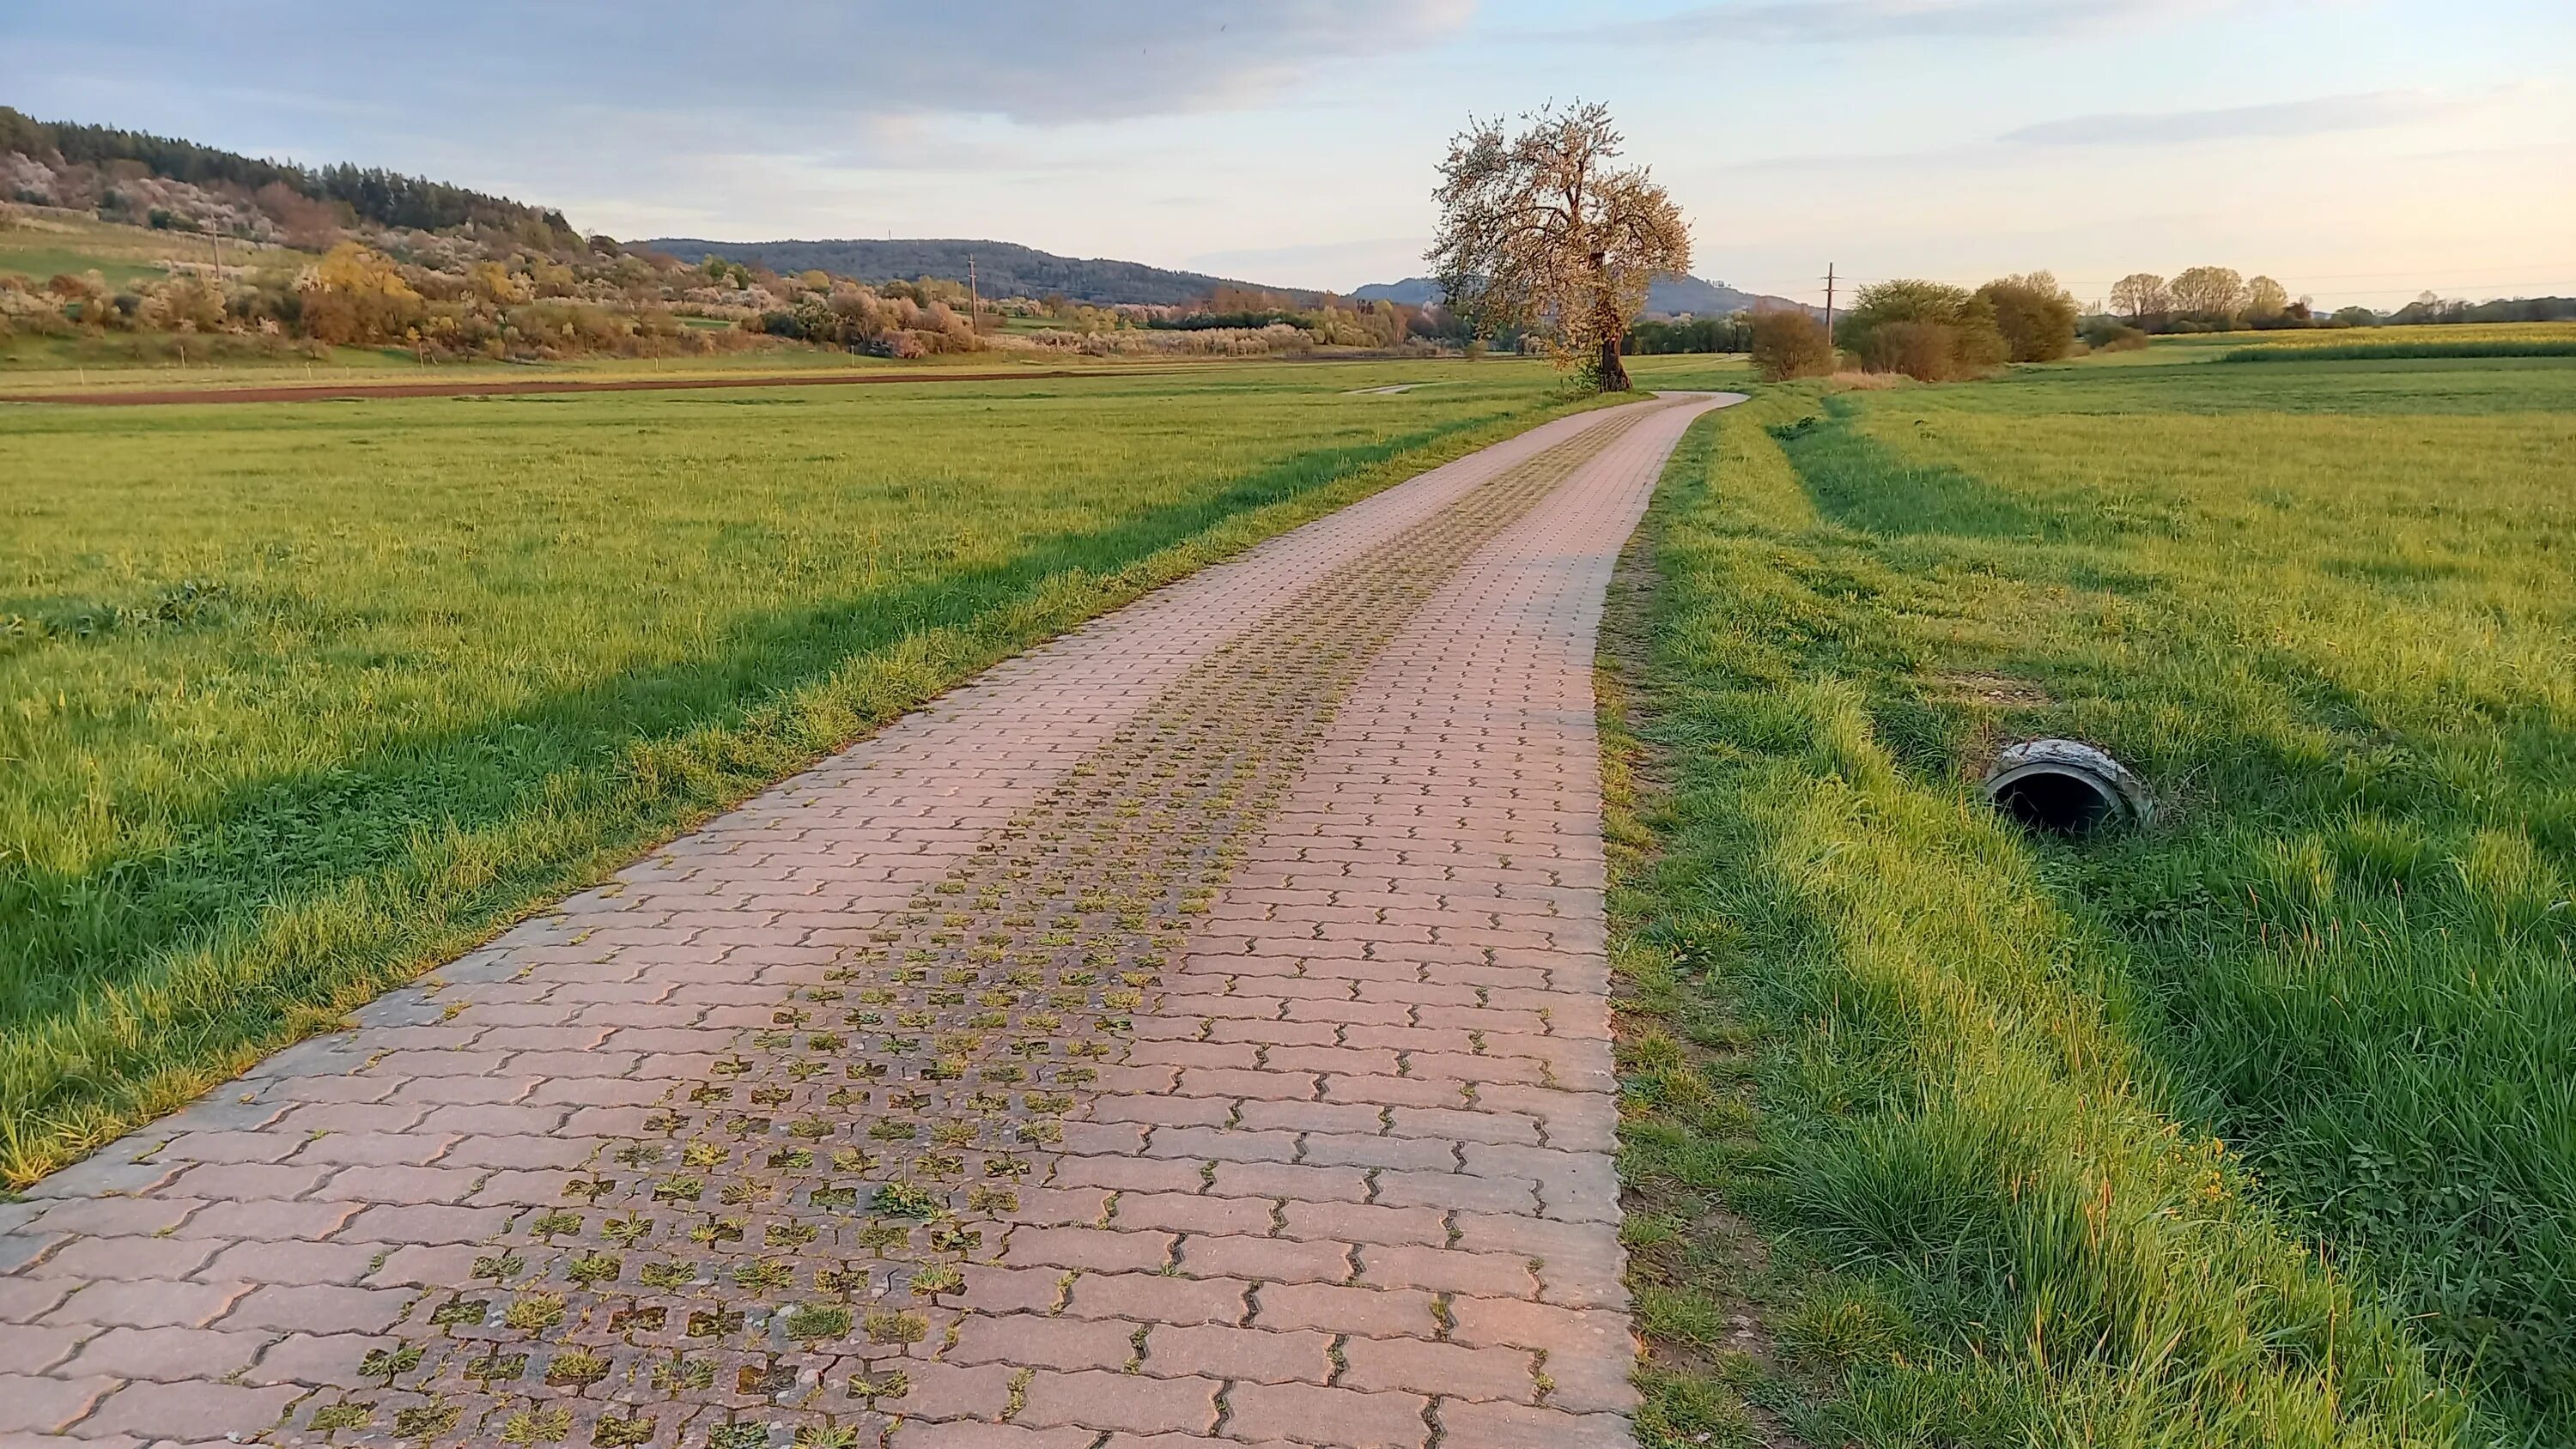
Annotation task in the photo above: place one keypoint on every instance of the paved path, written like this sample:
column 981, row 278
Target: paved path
column 1194, row 1031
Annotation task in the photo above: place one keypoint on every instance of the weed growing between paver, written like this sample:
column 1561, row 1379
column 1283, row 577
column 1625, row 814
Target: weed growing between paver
column 1962, row 1082
column 794, row 1234
column 361, row 683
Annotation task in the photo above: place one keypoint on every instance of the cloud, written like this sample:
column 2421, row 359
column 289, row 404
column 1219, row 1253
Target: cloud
column 1819, row 22
column 1030, row 61
column 2277, row 119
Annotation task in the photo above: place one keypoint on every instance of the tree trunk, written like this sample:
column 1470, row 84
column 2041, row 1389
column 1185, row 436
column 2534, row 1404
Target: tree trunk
column 1614, row 373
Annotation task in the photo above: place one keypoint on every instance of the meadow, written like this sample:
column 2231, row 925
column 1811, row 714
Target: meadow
column 35, row 367
column 303, row 698
column 2256, row 1126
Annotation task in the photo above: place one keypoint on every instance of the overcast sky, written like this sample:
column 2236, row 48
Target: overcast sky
column 2358, row 150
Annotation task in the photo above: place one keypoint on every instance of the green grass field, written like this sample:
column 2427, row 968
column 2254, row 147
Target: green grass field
column 2255, row 1127
column 302, row 698
column 156, row 361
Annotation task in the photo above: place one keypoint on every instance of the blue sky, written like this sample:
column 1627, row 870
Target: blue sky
column 2358, row 150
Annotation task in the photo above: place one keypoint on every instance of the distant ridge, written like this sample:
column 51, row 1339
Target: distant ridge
column 1004, row 269
column 1668, row 297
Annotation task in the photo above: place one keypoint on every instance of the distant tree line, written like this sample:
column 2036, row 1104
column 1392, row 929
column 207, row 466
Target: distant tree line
column 1653, row 336
column 2219, row 299
column 1203, row 320
column 2429, row 308
column 371, row 193
column 1330, row 321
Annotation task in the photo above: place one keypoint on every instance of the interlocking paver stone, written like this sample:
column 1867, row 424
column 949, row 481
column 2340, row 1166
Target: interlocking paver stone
column 1194, row 1029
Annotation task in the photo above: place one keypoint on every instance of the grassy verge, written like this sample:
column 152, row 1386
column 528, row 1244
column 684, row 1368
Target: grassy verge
column 1924, row 1138
column 304, row 699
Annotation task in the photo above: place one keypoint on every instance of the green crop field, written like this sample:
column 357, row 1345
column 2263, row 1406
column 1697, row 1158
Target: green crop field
column 2256, row 1126
column 300, row 698
column 2347, row 336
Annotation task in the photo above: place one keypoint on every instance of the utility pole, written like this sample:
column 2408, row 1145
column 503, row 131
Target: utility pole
column 1829, row 301
column 974, row 299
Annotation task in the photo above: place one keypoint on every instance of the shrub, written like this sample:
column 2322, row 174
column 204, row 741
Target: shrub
column 2109, row 334
column 2035, row 315
column 356, row 295
column 1926, row 330
column 1787, row 344
column 1926, row 351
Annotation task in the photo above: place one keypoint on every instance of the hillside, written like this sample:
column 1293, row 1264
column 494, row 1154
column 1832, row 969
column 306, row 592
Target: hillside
column 1669, row 297
column 1002, row 269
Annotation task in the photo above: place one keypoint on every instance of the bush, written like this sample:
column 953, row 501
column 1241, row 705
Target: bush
column 2199, row 323
column 2035, row 315
column 1926, row 330
column 357, row 295
column 1925, row 351
column 1787, row 344
column 2110, row 334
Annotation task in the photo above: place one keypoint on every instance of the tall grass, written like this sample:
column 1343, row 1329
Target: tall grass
column 2187, row 1137
column 302, row 698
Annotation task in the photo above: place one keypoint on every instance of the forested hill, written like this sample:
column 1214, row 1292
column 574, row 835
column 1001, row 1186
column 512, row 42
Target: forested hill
column 372, row 194
column 1002, row 269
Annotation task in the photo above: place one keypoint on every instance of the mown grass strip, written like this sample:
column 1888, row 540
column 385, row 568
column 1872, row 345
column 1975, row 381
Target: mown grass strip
column 1857, row 1018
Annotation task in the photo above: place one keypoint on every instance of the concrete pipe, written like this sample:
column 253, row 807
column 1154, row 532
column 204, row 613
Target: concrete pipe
column 2066, row 787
